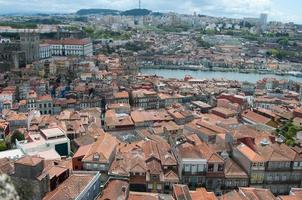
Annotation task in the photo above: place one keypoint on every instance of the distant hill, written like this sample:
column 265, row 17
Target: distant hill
column 136, row 12
column 98, row 11
column 132, row 12
column 157, row 14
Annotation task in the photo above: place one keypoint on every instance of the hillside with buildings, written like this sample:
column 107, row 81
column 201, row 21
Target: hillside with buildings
column 83, row 116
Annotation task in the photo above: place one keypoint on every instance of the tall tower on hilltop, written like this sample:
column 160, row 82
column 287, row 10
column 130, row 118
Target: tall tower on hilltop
column 30, row 45
column 139, row 4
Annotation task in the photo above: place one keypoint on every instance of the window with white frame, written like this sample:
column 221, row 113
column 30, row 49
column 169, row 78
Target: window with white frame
column 269, row 177
column 102, row 167
column 88, row 166
column 200, row 168
column 95, row 166
column 194, row 168
column 187, row 168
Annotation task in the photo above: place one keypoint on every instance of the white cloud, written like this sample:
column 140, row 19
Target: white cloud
column 228, row 8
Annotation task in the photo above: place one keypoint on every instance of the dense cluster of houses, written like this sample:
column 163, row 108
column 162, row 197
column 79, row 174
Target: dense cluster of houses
column 110, row 133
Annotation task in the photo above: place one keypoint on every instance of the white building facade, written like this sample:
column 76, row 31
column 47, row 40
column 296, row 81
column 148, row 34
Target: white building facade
column 71, row 47
column 45, row 51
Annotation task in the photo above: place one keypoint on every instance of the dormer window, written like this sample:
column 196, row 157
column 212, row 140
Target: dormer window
column 96, row 157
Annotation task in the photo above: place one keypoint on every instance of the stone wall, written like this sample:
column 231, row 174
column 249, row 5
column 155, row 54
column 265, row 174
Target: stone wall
column 30, row 189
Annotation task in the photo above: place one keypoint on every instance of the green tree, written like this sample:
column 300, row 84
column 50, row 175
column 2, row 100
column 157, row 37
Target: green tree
column 283, row 41
column 3, row 146
column 89, row 30
column 290, row 142
column 289, row 131
column 17, row 135
column 210, row 32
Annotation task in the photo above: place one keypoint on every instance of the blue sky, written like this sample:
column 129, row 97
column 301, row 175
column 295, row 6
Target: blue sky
column 281, row 10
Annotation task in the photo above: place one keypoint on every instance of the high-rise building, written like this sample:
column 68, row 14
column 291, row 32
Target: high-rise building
column 263, row 21
column 30, row 45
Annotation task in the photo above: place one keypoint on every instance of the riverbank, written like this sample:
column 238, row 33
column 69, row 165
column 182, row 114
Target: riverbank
column 227, row 75
column 221, row 69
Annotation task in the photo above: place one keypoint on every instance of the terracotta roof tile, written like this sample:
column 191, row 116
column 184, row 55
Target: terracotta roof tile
column 202, row 194
column 29, row 160
column 250, row 154
column 104, row 147
column 114, row 190
column 233, row 170
column 257, row 193
column 70, row 188
column 181, row 192
column 250, row 115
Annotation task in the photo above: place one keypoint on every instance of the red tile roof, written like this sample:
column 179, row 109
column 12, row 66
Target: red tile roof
column 114, row 190
column 181, row 192
column 29, row 160
column 250, row 115
column 70, row 188
column 202, row 194
column 104, row 147
column 68, row 41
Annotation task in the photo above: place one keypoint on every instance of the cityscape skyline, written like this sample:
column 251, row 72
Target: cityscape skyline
column 150, row 100
column 277, row 10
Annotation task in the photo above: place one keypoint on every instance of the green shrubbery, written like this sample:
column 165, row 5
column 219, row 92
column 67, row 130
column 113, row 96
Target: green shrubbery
column 289, row 132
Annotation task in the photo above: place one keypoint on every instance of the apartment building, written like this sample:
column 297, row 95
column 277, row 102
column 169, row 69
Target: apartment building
column 239, row 100
column 251, row 162
column 100, row 155
column 6, row 99
column 234, row 176
column 199, row 165
column 148, row 118
column 144, row 99
column 166, row 100
column 148, row 165
column 121, row 98
column 205, row 130
column 116, row 121
column 181, row 116
column 42, row 103
column 270, row 165
column 16, row 120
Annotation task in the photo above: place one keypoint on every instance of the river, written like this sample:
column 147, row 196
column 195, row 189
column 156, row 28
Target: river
column 180, row 74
